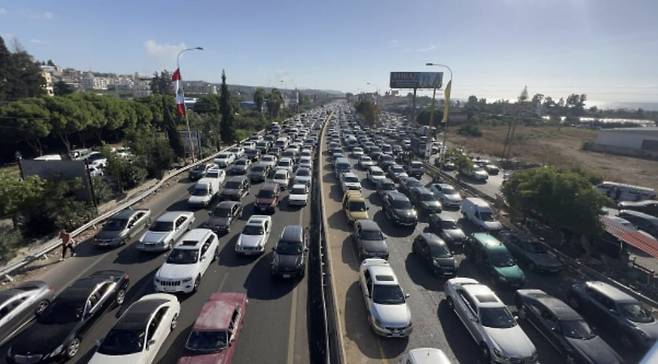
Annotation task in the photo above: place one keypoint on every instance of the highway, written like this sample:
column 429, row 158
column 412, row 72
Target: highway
column 434, row 324
column 275, row 323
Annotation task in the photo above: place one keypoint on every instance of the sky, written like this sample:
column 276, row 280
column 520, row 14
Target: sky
column 607, row 49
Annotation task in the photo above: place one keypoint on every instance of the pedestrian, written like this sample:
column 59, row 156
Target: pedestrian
column 67, row 243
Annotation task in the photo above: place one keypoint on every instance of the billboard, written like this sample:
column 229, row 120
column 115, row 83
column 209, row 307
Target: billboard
column 416, row 79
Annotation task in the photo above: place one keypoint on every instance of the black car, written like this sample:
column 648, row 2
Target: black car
column 20, row 304
column 289, row 257
column 564, row 328
column 385, row 186
column 531, row 253
column 447, row 229
column 57, row 332
column 223, row 215
column 615, row 311
column 435, row 253
column 425, row 200
column 199, row 171
column 370, row 240
column 399, row 209
column 407, row 183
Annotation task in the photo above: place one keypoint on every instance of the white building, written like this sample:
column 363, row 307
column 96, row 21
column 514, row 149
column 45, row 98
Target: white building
column 48, row 85
column 630, row 141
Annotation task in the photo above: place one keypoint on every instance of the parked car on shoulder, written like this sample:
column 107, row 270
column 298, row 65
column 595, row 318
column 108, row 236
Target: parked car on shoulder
column 122, row 226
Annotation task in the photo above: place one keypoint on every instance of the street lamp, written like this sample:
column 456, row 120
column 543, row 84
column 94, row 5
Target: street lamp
column 444, row 145
column 187, row 122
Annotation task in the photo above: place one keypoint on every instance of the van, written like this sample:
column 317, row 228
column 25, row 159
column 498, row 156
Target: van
column 624, row 192
column 492, row 257
column 478, row 212
column 341, row 165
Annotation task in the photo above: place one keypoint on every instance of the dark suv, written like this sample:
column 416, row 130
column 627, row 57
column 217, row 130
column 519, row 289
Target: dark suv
column 289, row 253
column 399, row 209
column 268, row 197
column 235, row 188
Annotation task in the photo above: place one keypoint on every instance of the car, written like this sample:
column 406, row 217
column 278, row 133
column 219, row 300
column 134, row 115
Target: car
column 407, row 184
column 386, row 302
column 252, row 154
column 258, row 172
column 165, row 231
column 491, row 169
column 491, row 256
column 21, row 304
column 187, row 262
column 57, row 332
column 235, row 188
column 298, row 195
column 239, row 167
column 354, row 206
column 140, row 332
column 268, row 197
column 447, row 229
column 386, row 160
column 385, row 186
column 357, row 152
column 254, row 236
column 447, row 165
column 396, row 172
column 349, row 182
column 435, row 253
column 531, row 253
column 224, row 159
column 95, row 171
column 563, row 328
column 199, row 171
column 489, row 322
column 366, row 162
column 204, row 192
column 122, row 226
column 237, row 151
column 375, row 174
column 415, row 169
column 475, row 173
column 223, row 215
column 398, row 209
column 289, row 253
column 96, row 159
column 282, row 178
column 424, row 356
column 285, row 164
column 303, row 176
column 425, row 200
column 615, row 311
column 447, row 194
column 369, row 239
column 270, row 160
column 215, row 333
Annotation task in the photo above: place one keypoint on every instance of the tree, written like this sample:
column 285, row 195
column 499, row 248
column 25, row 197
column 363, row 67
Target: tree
column 62, row 88
column 26, row 120
column 259, row 98
column 207, row 104
column 66, row 118
column 16, row 192
column 537, row 99
column 369, row 111
column 169, row 125
column 227, row 130
column 20, row 75
column 523, row 97
column 162, row 84
column 50, row 63
column 472, row 107
column 274, row 103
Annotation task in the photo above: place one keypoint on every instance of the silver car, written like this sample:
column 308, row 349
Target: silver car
column 122, row 226
column 489, row 322
column 165, row 231
column 19, row 305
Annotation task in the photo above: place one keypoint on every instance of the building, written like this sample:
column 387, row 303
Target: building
column 48, row 83
column 640, row 142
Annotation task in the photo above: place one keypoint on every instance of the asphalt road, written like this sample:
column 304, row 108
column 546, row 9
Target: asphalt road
column 275, row 329
column 434, row 324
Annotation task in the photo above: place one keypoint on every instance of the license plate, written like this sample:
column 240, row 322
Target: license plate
column 286, row 276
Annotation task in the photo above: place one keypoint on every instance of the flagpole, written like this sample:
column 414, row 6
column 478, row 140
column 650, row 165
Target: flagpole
column 187, row 121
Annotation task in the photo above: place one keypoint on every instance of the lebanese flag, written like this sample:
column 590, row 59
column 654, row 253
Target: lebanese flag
column 180, row 98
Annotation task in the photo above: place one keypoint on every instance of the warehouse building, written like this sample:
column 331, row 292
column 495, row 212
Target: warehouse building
column 641, row 142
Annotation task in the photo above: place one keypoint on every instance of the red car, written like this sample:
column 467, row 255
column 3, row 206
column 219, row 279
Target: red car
column 268, row 197
column 215, row 333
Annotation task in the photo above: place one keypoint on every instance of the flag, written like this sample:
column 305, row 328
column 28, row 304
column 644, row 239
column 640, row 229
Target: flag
column 180, row 98
column 446, row 101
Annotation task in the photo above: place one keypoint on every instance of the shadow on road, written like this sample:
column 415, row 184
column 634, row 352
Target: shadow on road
column 335, row 193
column 138, row 289
column 375, row 200
column 180, row 205
column 261, row 285
column 228, row 257
column 176, row 348
column 85, row 248
column 389, row 228
column 349, row 254
column 130, row 255
column 337, row 220
column 420, row 273
column 460, row 342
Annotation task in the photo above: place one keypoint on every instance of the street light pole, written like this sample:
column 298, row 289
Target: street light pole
column 187, row 121
column 444, row 145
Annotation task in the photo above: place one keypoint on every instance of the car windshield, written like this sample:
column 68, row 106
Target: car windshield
column 199, row 168
column 496, row 317
column 284, row 163
column 281, row 176
column 351, row 179
column 366, row 159
column 221, row 212
column 576, row 329
column 162, row 226
column 440, row 251
column 298, row 191
column 62, row 311
column 115, row 224
column 207, row 341
column 501, row 258
column 257, row 169
column 486, row 216
column 183, row 256
column 267, row 193
column 289, row 247
column 241, row 162
column 200, row 191
column 387, row 294
column 371, row 235
column 449, row 225
column 232, row 185
column 253, row 230
column 636, row 313
column 397, row 169
column 401, row 204
column 122, row 342
column 357, row 206
column 303, row 172
column 212, row 174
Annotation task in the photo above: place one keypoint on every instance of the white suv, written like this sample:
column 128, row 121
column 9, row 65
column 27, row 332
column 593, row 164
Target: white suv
column 254, row 236
column 187, row 262
column 388, row 313
column 489, row 322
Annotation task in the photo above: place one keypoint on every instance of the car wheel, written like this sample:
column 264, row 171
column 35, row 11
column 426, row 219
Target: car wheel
column 41, row 306
column 174, row 322
column 523, row 312
column 72, row 348
column 120, row 297
column 486, row 354
column 197, row 282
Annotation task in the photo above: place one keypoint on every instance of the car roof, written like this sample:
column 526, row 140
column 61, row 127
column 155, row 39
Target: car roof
column 138, row 314
column 236, row 178
column 82, row 288
column 432, row 239
column 483, row 295
column 561, row 310
column 382, row 274
column 171, row 215
column 350, row 174
column 487, row 240
column 397, row 195
column 193, row 238
column 292, row 233
column 611, row 292
column 367, row 224
column 258, row 219
column 216, row 313
column 124, row 214
column 227, row 204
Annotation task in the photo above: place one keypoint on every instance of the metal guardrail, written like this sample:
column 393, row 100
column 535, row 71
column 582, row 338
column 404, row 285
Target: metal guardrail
column 573, row 263
column 52, row 244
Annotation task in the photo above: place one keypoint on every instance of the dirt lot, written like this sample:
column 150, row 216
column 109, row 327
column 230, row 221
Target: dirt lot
column 561, row 147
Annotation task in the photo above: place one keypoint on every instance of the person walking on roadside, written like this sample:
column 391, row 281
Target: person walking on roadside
column 67, row 243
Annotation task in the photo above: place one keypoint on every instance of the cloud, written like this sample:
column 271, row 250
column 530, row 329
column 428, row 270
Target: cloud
column 3, row 11
column 163, row 54
column 426, row 49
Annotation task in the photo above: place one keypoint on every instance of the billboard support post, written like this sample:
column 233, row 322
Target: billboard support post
column 413, row 107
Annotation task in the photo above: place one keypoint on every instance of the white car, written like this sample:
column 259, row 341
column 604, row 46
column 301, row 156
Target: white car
column 489, row 322
column 388, row 313
column 216, row 174
column 480, row 174
column 237, row 151
column 140, row 332
column 375, row 174
column 282, row 178
column 269, row 159
column 305, row 162
column 424, row 356
column 303, row 176
column 298, row 195
column 166, row 230
column 254, row 236
column 187, row 262
column 224, row 159
column 285, row 163
column 350, row 182
column 365, row 162
column 447, row 194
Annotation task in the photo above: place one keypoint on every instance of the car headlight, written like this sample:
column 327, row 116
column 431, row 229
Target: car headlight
column 156, row 280
column 185, row 280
